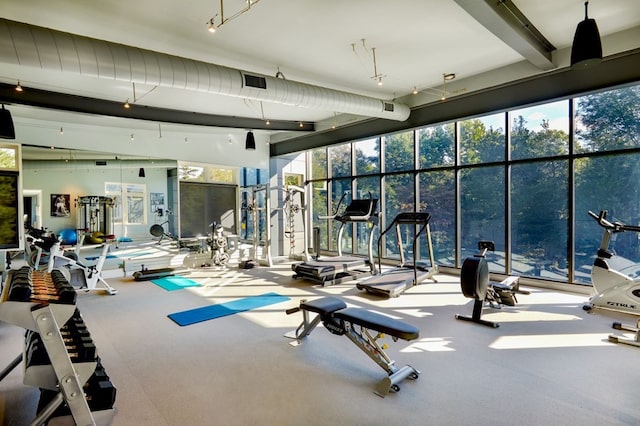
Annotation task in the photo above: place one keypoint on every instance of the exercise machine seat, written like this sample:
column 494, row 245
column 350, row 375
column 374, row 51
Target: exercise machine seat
column 378, row 322
column 323, row 306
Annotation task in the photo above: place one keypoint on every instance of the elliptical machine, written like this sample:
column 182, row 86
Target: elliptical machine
column 475, row 284
column 612, row 289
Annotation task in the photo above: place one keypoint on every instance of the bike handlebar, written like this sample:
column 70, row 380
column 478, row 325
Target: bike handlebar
column 614, row 226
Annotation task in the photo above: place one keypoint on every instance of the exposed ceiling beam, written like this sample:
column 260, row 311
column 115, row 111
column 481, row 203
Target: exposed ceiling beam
column 506, row 22
column 82, row 104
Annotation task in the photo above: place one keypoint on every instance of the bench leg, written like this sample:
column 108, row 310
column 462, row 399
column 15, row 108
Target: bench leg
column 368, row 343
column 305, row 328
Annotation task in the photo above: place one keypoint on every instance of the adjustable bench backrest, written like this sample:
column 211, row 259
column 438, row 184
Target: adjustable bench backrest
column 378, row 322
column 333, row 308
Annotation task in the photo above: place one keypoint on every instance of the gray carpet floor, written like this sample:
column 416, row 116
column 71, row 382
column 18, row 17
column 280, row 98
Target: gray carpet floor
column 549, row 362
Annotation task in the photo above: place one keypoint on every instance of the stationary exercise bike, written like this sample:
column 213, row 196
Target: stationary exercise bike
column 475, row 284
column 612, row 289
column 82, row 277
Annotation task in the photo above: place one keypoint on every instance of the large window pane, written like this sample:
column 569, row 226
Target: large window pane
column 340, row 157
column 367, row 156
column 482, row 140
column 437, row 196
column 320, row 208
column 482, row 200
column 340, row 191
column 367, row 187
column 540, row 131
column 398, row 152
column 539, row 214
column 399, row 198
column 318, row 166
column 436, row 146
column 608, row 120
column 609, row 183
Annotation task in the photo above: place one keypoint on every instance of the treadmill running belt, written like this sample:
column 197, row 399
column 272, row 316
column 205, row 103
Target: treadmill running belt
column 393, row 282
column 330, row 268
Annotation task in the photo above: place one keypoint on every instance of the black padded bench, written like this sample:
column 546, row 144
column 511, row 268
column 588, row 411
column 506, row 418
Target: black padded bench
column 355, row 323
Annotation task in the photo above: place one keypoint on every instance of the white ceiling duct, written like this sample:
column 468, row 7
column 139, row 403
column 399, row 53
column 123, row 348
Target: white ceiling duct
column 28, row 45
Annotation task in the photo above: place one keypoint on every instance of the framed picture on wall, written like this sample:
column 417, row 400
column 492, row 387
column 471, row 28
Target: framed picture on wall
column 157, row 203
column 60, row 205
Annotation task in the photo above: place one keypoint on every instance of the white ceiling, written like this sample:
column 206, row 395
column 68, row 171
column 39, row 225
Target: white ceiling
column 326, row 43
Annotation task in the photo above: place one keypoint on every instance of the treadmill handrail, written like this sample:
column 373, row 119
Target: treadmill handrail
column 355, row 213
column 406, row 218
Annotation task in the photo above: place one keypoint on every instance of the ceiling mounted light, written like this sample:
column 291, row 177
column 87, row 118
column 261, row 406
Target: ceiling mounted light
column 7, row 131
column 18, row 87
column 211, row 25
column 376, row 76
column 446, row 77
column 586, row 49
column 126, row 104
column 250, row 143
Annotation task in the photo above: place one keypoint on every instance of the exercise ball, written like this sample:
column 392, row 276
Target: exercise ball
column 69, row 236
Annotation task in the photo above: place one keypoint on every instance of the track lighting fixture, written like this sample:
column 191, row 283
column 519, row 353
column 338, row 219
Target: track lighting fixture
column 586, row 50
column 446, row 77
column 376, row 76
column 141, row 172
column 18, row 87
column 211, row 23
column 212, row 26
column 126, row 104
column 250, row 143
column 7, row 131
column 267, row 122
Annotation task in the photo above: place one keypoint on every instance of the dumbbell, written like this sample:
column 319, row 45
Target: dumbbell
column 100, row 392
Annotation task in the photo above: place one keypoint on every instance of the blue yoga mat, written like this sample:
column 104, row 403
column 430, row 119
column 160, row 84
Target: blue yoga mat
column 223, row 309
column 174, row 283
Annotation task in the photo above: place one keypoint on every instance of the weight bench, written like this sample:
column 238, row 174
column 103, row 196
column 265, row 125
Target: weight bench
column 363, row 328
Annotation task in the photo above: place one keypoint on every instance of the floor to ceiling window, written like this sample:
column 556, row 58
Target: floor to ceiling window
column 525, row 179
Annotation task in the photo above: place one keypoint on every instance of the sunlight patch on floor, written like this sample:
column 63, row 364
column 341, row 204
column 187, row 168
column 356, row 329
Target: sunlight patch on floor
column 546, row 341
column 431, row 344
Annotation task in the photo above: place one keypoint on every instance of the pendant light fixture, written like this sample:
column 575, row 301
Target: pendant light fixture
column 250, row 143
column 141, row 172
column 7, row 131
column 586, row 50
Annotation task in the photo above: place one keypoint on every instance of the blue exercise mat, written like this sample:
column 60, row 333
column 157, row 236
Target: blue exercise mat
column 223, row 309
column 174, row 283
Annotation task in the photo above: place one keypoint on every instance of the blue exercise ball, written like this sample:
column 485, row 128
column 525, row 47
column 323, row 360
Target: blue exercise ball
column 69, row 236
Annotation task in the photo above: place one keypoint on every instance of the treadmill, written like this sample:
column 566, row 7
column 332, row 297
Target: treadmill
column 338, row 269
column 394, row 282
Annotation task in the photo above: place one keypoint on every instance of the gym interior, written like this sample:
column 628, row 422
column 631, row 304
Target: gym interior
column 190, row 237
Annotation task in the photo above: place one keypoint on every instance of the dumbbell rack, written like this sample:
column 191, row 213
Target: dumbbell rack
column 46, row 314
